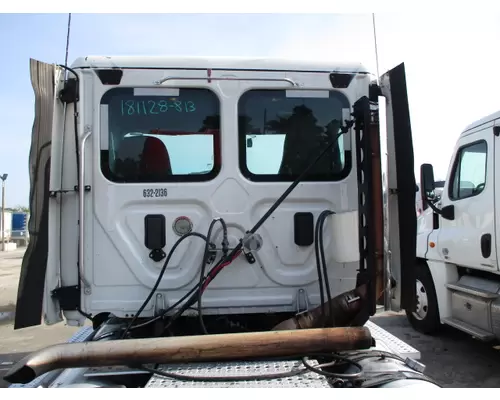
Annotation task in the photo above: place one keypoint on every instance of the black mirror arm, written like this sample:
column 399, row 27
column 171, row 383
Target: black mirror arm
column 447, row 212
column 432, row 206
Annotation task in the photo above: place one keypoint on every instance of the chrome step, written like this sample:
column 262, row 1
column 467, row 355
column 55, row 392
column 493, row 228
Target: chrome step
column 472, row 291
column 472, row 330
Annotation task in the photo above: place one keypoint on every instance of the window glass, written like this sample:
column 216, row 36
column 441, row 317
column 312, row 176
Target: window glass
column 469, row 176
column 282, row 132
column 160, row 135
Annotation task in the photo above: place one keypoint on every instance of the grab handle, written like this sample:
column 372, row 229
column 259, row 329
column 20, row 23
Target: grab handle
column 225, row 78
column 81, row 196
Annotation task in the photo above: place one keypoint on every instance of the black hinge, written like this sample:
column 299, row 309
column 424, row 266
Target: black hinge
column 69, row 94
column 496, row 130
column 374, row 91
column 54, row 193
column 68, row 297
column 249, row 256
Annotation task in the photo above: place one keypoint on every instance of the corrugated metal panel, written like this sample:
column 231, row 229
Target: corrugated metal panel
column 31, row 282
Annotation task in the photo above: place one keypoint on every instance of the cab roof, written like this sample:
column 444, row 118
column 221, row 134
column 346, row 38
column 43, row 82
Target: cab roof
column 232, row 63
column 493, row 119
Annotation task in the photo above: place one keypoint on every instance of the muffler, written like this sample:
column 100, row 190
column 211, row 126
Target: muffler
column 347, row 309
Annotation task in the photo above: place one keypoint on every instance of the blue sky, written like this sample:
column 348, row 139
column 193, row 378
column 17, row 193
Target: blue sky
column 451, row 61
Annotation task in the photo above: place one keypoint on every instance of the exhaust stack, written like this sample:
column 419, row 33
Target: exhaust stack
column 187, row 349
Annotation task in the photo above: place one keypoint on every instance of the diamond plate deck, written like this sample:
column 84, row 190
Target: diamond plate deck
column 387, row 342
column 384, row 341
column 311, row 380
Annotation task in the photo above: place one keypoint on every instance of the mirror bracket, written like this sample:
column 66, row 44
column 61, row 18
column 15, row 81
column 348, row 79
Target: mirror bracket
column 448, row 212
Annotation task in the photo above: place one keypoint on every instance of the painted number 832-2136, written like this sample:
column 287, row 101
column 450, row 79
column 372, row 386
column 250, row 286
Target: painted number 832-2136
column 149, row 193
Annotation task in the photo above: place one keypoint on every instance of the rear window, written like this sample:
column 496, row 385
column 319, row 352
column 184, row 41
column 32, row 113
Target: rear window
column 281, row 132
column 160, row 135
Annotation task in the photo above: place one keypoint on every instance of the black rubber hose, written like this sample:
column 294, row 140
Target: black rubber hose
column 323, row 262
column 235, row 378
column 259, row 223
column 318, row 268
column 160, row 276
column 204, row 265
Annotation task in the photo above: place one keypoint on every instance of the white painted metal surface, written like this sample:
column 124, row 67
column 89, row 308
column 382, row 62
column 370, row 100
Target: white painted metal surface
column 491, row 119
column 116, row 263
column 214, row 62
column 459, row 240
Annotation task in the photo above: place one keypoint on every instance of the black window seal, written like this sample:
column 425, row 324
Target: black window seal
column 276, row 178
column 456, row 165
column 190, row 178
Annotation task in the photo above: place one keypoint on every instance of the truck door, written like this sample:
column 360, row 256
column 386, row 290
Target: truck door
column 400, row 223
column 468, row 238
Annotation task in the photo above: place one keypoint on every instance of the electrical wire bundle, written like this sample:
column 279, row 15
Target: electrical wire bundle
column 194, row 295
column 321, row 267
column 197, row 291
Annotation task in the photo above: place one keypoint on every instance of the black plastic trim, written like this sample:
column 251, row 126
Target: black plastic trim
column 403, row 145
column 303, row 228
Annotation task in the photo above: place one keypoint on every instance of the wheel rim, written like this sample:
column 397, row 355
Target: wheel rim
column 422, row 306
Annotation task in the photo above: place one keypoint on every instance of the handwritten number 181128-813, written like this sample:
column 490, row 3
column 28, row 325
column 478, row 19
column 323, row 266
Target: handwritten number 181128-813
column 155, row 107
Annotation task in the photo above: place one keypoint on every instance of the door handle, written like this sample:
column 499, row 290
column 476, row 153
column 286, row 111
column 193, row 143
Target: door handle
column 486, row 245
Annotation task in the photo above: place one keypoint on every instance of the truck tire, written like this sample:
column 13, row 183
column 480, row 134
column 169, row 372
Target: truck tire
column 426, row 317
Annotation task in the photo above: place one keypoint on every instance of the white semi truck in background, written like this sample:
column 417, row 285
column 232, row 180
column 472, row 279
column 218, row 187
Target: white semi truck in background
column 458, row 238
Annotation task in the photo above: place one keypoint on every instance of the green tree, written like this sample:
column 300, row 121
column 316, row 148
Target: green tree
column 18, row 208
column 304, row 141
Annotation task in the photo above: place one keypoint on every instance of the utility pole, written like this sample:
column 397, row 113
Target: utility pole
column 4, row 178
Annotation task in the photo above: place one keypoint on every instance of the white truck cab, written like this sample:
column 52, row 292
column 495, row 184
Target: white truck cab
column 160, row 147
column 458, row 277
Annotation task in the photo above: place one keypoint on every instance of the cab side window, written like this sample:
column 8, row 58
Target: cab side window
column 469, row 173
